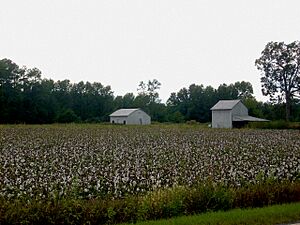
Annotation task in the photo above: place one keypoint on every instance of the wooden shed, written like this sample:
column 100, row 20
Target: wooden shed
column 130, row 116
column 231, row 113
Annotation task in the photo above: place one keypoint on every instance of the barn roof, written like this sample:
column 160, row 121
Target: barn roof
column 248, row 118
column 225, row 104
column 123, row 112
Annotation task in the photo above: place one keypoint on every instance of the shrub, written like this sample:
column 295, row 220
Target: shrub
column 279, row 124
column 162, row 203
column 67, row 116
column 208, row 197
column 192, row 122
column 159, row 204
column 268, row 193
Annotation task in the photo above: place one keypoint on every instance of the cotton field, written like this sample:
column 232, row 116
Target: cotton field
column 87, row 161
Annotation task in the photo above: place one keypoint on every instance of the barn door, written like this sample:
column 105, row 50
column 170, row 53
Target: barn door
column 141, row 121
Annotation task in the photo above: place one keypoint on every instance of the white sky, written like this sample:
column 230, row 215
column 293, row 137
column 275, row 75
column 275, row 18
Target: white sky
column 120, row 43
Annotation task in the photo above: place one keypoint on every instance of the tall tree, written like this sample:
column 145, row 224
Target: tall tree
column 10, row 91
column 279, row 64
column 150, row 90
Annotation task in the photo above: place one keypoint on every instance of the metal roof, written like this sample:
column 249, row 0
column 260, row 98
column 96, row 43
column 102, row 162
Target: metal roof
column 123, row 112
column 225, row 104
column 248, row 118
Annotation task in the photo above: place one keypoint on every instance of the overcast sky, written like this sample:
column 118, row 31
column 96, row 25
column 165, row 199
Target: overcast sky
column 120, row 43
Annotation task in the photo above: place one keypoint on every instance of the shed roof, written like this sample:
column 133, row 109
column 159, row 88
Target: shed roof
column 248, row 118
column 123, row 112
column 225, row 104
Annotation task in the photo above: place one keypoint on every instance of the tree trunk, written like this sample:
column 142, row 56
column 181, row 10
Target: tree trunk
column 287, row 107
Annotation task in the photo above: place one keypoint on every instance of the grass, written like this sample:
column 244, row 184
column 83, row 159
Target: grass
column 277, row 214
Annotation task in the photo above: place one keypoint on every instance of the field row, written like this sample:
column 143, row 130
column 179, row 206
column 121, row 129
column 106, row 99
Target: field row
column 99, row 161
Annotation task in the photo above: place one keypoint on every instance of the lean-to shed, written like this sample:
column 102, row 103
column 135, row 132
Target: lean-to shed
column 231, row 113
column 130, row 116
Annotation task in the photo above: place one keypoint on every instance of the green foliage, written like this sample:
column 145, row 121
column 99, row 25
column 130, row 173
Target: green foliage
column 164, row 203
column 194, row 103
column 279, row 124
column 67, row 116
column 203, row 198
column 266, row 193
column 254, row 107
column 27, row 98
column 176, row 117
column 279, row 64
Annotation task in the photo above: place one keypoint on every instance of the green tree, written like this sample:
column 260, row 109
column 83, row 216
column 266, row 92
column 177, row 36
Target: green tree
column 193, row 103
column 38, row 103
column 239, row 90
column 67, row 116
column 128, row 100
column 10, row 91
column 244, row 90
column 148, row 99
column 227, row 92
column 254, row 107
column 175, row 117
column 279, row 65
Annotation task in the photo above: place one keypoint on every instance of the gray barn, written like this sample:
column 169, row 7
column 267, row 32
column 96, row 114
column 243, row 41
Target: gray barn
column 130, row 116
column 231, row 113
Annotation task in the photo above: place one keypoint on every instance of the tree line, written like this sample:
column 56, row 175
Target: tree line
column 26, row 97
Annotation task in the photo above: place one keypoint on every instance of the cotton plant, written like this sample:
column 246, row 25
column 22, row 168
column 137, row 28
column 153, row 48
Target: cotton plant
column 41, row 162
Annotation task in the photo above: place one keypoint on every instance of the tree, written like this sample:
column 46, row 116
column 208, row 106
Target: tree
column 148, row 99
column 10, row 91
column 254, row 107
column 128, row 100
column 67, row 116
column 244, row 90
column 179, row 101
column 227, row 92
column 150, row 89
column 239, row 90
column 279, row 64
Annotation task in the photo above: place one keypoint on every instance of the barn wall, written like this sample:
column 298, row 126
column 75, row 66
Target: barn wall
column 240, row 110
column 221, row 119
column 118, row 119
column 139, row 117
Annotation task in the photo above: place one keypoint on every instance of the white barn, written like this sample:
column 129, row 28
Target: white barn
column 231, row 113
column 130, row 116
